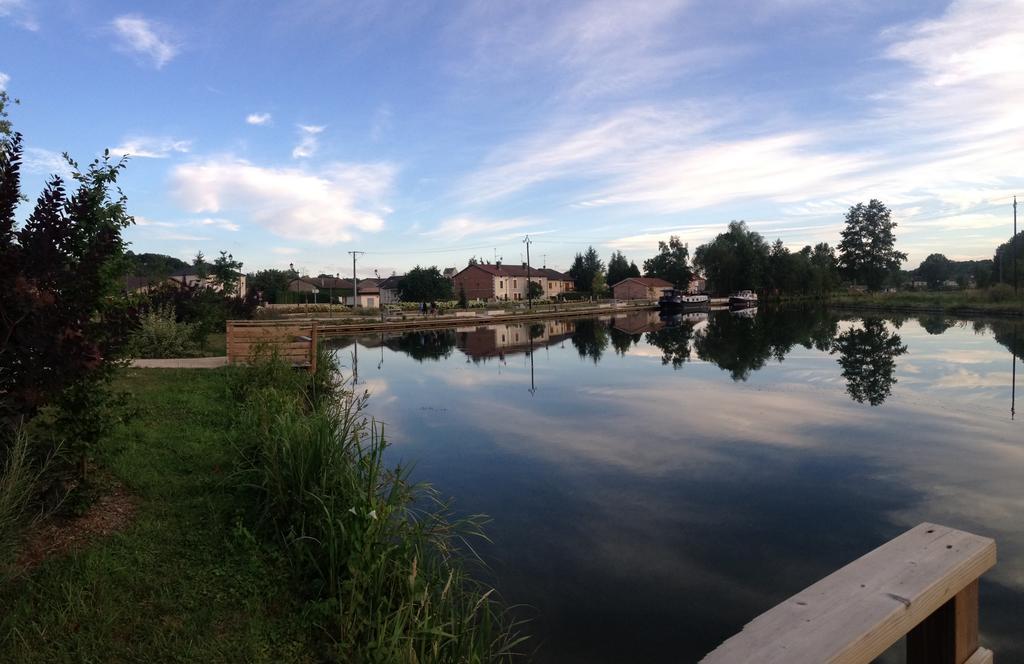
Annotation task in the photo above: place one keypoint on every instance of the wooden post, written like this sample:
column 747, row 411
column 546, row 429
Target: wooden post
column 950, row 635
column 312, row 349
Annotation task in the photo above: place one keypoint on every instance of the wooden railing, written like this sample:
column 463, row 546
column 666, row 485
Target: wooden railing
column 923, row 584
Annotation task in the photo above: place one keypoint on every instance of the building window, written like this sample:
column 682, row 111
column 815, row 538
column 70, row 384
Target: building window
column 501, row 284
column 515, row 283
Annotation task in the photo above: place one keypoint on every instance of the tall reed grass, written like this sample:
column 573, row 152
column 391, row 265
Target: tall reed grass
column 385, row 562
column 19, row 481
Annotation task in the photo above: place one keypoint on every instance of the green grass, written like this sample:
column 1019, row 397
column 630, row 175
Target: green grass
column 184, row 583
column 968, row 302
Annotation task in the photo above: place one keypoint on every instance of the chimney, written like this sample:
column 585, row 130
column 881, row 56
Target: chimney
column 497, row 264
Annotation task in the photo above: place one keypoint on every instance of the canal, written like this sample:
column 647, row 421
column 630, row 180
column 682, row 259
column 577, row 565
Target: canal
column 656, row 484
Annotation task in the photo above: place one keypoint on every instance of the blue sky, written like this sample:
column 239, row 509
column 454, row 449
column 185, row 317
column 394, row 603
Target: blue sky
column 426, row 132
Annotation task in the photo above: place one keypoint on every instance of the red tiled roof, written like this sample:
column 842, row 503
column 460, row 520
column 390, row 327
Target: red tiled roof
column 649, row 282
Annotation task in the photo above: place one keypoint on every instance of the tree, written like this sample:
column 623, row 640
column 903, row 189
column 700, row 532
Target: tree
column 270, row 284
column 618, row 268
column 534, row 290
column 935, row 269
column 634, row 271
column 867, row 253
column 599, row 285
column 671, row 263
column 226, row 272
column 824, row 269
column 584, row 267
column 62, row 323
column 734, row 260
column 1008, row 253
column 202, row 268
column 425, row 284
column 463, row 300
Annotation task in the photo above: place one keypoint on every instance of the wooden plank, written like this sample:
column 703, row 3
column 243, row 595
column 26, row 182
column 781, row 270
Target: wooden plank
column 948, row 636
column 856, row 613
column 981, row 656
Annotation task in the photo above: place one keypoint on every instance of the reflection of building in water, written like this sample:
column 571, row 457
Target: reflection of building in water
column 638, row 322
column 500, row 340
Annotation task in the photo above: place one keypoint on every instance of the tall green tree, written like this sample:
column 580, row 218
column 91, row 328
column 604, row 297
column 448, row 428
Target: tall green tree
column 585, row 267
column 201, row 266
column 618, row 268
column 867, row 253
column 672, row 263
column 62, row 323
column 272, row 284
column 1008, row 253
column 226, row 273
column 935, row 269
column 734, row 260
column 425, row 284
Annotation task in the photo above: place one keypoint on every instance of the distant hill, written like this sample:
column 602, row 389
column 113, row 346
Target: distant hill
column 153, row 266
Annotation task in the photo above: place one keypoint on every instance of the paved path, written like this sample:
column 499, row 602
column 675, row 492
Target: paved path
column 182, row 363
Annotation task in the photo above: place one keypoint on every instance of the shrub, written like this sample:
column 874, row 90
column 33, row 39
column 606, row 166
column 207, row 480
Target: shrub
column 161, row 335
column 1000, row 293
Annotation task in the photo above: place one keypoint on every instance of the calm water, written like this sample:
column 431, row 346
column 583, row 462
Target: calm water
column 653, row 487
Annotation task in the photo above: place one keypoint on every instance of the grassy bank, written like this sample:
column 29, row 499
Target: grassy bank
column 182, row 583
column 956, row 303
column 268, row 528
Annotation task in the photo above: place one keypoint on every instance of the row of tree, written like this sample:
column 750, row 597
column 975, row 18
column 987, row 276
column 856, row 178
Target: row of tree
column 740, row 258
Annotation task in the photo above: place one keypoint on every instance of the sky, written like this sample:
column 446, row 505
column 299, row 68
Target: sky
column 423, row 133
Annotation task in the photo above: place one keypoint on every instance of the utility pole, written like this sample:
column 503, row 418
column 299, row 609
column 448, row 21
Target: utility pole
column 1014, row 246
column 355, row 283
column 529, row 291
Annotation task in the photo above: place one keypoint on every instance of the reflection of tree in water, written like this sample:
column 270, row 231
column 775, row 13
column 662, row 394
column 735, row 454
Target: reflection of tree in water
column 590, row 337
column 936, row 324
column 740, row 345
column 424, row 344
column 1009, row 335
column 868, row 359
column 674, row 343
column 623, row 341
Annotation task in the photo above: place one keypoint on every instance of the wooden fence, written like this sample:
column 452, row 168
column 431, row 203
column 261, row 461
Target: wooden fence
column 293, row 342
column 923, row 584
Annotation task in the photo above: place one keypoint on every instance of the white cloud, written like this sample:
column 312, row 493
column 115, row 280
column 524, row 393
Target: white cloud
column 325, row 207
column 146, row 221
column 308, row 143
column 285, row 251
column 151, row 147
column 460, row 227
column 45, row 162
column 941, row 136
column 596, row 48
column 258, row 118
column 145, row 38
column 223, row 224
column 19, row 12
column 4, row 79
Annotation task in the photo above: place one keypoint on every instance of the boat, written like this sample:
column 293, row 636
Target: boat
column 673, row 299
column 744, row 298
